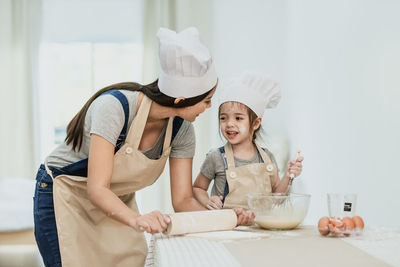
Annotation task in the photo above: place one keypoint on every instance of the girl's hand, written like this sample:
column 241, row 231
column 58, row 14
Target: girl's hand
column 244, row 217
column 153, row 222
column 295, row 167
column 214, row 203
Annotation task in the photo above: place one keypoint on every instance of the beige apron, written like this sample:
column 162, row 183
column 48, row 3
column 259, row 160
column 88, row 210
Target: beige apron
column 247, row 179
column 87, row 236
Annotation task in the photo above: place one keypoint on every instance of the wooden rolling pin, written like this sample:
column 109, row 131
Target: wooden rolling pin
column 201, row 221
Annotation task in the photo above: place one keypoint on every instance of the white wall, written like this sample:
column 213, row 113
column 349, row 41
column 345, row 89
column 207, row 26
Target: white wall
column 338, row 63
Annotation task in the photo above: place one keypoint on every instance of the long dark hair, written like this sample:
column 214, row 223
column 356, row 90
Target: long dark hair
column 76, row 125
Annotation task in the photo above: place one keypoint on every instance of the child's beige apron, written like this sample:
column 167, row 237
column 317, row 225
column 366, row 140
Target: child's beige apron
column 87, row 236
column 247, row 179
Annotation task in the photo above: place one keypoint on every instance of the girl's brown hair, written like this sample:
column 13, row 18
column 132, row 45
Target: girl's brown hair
column 252, row 117
column 76, row 125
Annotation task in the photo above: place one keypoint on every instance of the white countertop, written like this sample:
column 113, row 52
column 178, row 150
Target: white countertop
column 207, row 249
column 381, row 242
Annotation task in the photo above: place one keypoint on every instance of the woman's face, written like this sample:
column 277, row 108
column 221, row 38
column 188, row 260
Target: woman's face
column 191, row 113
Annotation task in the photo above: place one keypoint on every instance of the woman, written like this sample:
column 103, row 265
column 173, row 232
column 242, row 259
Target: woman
column 84, row 205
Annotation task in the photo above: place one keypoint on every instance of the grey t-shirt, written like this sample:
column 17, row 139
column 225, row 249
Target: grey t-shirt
column 105, row 117
column 214, row 168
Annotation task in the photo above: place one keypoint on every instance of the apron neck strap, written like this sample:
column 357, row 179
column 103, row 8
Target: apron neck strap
column 229, row 155
column 139, row 122
column 168, row 134
column 263, row 155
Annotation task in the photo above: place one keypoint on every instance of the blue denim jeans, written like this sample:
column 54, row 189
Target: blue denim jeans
column 45, row 223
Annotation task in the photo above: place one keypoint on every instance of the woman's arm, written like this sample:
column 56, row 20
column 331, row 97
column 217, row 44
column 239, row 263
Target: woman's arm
column 182, row 193
column 200, row 188
column 181, row 185
column 100, row 168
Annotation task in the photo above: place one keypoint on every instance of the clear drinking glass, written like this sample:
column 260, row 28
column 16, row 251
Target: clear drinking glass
column 342, row 204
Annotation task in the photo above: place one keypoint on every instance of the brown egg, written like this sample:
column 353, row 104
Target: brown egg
column 358, row 222
column 331, row 227
column 338, row 230
column 323, row 226
column 336, row 222
column 348, row 226
column 335, row 231
column 336, row 226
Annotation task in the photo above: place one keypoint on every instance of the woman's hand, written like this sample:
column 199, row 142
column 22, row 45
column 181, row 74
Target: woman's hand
column 244, row 217
column 214, row 203
column 295, row 167
column 153, row 222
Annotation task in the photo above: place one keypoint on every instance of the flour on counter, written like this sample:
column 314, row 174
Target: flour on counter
column 229, row 235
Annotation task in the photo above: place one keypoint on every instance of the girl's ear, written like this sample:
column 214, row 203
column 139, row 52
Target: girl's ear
column 257, row 123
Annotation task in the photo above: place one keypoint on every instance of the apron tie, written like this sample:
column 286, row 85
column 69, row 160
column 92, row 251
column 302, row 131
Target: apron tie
column 49, row 172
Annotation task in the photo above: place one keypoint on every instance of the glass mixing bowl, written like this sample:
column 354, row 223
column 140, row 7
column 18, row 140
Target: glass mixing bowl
column 277, row 210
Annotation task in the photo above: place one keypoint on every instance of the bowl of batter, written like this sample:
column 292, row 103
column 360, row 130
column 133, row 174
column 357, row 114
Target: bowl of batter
column 277, row 211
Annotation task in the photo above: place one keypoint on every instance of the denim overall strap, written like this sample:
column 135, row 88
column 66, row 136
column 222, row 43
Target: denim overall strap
column 125, row 105
column 226, row 189
column 176, row 125
column 80, row 168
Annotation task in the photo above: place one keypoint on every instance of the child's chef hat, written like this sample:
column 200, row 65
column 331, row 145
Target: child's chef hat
column 187, row 68
column 254, row 89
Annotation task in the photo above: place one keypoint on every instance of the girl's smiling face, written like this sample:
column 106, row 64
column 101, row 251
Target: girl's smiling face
column 235, row 123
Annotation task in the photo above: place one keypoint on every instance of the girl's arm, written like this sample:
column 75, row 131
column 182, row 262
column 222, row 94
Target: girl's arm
column 100, row 168
column 181, row 185
column 281, row 185
column 295, row 167
column 200, row 188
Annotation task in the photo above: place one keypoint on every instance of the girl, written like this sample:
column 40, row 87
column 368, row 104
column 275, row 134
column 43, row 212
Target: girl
column 84, row 206
column 241, row 167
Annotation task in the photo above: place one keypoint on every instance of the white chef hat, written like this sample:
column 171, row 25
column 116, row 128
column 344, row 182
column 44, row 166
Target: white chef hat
column 187, row 69
column 254, row 89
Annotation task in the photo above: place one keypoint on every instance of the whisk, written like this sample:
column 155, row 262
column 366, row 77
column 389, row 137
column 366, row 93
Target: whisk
column 287, row 204
column 291, row 175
